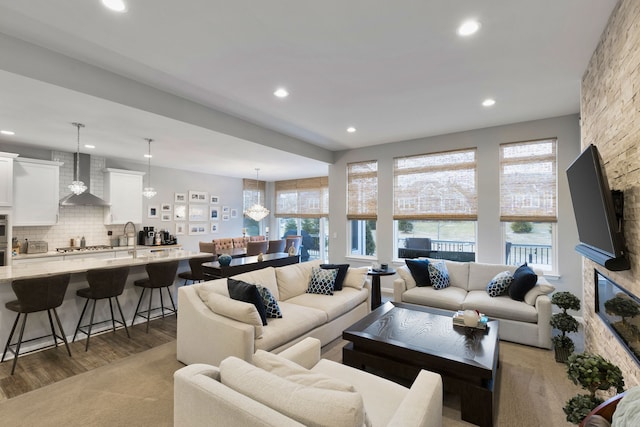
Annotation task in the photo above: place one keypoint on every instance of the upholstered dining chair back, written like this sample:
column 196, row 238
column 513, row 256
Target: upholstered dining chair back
column 257, row 238
column 276, row 246
column 209, row 247
column 40, row 293
column 255, row 248
column 240, row 242
column 223, row 245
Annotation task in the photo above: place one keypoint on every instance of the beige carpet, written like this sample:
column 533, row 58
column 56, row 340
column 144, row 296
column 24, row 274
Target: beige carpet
column 138, row 391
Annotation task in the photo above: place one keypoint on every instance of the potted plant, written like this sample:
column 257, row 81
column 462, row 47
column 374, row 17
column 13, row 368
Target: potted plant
column 593, row 373
column 565, row 323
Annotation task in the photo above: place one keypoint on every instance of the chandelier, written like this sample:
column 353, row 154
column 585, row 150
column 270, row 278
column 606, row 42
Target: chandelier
column 257, row 212
column 149, row 192
column 77, row 186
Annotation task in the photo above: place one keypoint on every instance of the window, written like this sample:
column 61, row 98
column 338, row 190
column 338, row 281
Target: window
column 362, row 207
column 253, row 191
column 435, row 205
column 528, row 189
column 302, row 209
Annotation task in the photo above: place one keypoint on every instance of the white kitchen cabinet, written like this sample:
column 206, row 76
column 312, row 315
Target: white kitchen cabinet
column 36, row 192
column 123, row 190
column 6, row 178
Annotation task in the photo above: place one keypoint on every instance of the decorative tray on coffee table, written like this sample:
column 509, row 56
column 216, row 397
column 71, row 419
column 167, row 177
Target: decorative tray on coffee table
column 458, row 320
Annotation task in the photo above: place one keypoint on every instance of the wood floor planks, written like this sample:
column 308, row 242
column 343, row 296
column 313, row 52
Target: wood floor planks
column 46, row 367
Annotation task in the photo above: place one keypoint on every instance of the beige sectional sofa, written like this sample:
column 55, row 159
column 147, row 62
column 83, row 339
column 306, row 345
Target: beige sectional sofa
column 211, row 326
column 316, row 391
column 524, row 322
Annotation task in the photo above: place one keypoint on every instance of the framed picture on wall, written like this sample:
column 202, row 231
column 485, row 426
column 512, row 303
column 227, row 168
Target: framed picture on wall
column 234, row 213
column 197, row 213
column 153, row 211
column 179, row 212
column 214, row 214
column 165, row 207
column 225, row 210
column 180, row 198
column 214, row 200
column 179, row 228
column 165, row 216
column 214, row 227
column 195, row 229
column 197, row 196
column 225, row 217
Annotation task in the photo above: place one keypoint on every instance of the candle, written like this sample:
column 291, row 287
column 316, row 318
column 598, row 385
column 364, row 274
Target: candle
column 244, row 231
column 266, row 229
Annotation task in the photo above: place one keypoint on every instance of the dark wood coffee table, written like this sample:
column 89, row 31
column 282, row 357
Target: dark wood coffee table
column 400, row 339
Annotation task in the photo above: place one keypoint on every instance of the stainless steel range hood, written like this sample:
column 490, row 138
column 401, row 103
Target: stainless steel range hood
column 84, row 174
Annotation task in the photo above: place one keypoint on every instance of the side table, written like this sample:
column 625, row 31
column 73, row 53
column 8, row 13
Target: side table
column 376, row 297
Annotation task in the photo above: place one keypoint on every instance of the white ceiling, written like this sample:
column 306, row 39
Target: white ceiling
column 176, row 71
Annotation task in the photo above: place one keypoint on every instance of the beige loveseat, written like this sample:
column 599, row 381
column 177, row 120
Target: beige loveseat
column 211, row 326
column 316, row 392
column 524, row 322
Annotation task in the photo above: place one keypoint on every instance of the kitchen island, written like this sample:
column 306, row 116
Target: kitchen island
column 71, row 308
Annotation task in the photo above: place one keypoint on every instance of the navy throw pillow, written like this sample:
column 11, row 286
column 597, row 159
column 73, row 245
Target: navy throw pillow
column 524, row 279
column 419, row 269
column 247, row 292
column 342, row 273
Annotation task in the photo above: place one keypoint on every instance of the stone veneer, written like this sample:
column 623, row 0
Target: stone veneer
column 610, row 113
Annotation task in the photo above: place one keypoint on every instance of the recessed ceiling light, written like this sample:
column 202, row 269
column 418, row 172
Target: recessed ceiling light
column 148, row 156
column 351, row 129
column 468, row 27
column 488, row 102
column 281, row 93
column 7, row 132
column 115, row 5
column 89, row 146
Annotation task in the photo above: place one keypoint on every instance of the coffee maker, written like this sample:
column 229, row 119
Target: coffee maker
column 146, row 237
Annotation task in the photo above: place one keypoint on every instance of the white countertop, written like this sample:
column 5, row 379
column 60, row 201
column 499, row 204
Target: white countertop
column 46, row 268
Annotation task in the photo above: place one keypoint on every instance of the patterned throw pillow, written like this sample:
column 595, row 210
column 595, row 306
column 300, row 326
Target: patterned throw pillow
column 322, row 281
column 270, row 304
column 438, row 275
column 499, row 284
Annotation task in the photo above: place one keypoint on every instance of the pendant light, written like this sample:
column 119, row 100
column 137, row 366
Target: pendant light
column 77, row 186
column 257, row 212
column 149, row 192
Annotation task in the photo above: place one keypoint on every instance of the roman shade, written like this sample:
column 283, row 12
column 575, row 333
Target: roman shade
column 528, row 181
column 302, row 198
column 437, row 186
column 362, row 190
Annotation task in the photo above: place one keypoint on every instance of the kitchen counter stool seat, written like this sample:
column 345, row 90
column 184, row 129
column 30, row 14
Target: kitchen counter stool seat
column 161, row 275
column 34, row 295
column 104, row 283
column 197, row 274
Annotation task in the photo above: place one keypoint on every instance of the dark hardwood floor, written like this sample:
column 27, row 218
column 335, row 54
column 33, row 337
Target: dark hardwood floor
column 46, row 367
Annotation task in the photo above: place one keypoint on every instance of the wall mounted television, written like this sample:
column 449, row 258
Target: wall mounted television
column 598, row 212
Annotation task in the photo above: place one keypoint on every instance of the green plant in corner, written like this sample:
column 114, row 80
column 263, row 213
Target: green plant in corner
column 593, row 373
column 565, row 323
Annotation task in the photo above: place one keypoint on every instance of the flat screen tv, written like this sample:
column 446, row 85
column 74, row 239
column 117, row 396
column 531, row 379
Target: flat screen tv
column 598, row 212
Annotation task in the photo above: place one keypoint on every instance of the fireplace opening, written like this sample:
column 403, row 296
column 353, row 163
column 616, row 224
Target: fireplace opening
column 619, row 309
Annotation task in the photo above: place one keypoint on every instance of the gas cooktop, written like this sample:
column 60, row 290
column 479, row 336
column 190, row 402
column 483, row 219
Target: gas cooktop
column 85, row 249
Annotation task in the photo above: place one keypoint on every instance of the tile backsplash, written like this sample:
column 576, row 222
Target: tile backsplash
column 73, row 222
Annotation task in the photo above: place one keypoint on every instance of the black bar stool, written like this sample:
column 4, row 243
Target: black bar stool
column 161, row 275
column 103, row 283
column 197, row 274
column 36, row 294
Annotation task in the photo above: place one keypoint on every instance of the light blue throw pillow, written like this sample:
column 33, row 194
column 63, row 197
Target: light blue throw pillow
column 438, row 274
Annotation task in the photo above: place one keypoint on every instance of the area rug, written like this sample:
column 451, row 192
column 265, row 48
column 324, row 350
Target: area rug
column 138, row 391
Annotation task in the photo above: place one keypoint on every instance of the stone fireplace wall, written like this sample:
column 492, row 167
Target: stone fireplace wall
column 610, row 115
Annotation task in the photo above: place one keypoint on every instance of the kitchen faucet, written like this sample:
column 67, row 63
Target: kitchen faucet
column 135, row 237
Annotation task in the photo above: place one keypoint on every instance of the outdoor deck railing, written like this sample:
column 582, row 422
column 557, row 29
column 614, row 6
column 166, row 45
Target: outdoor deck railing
column 516, row 253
